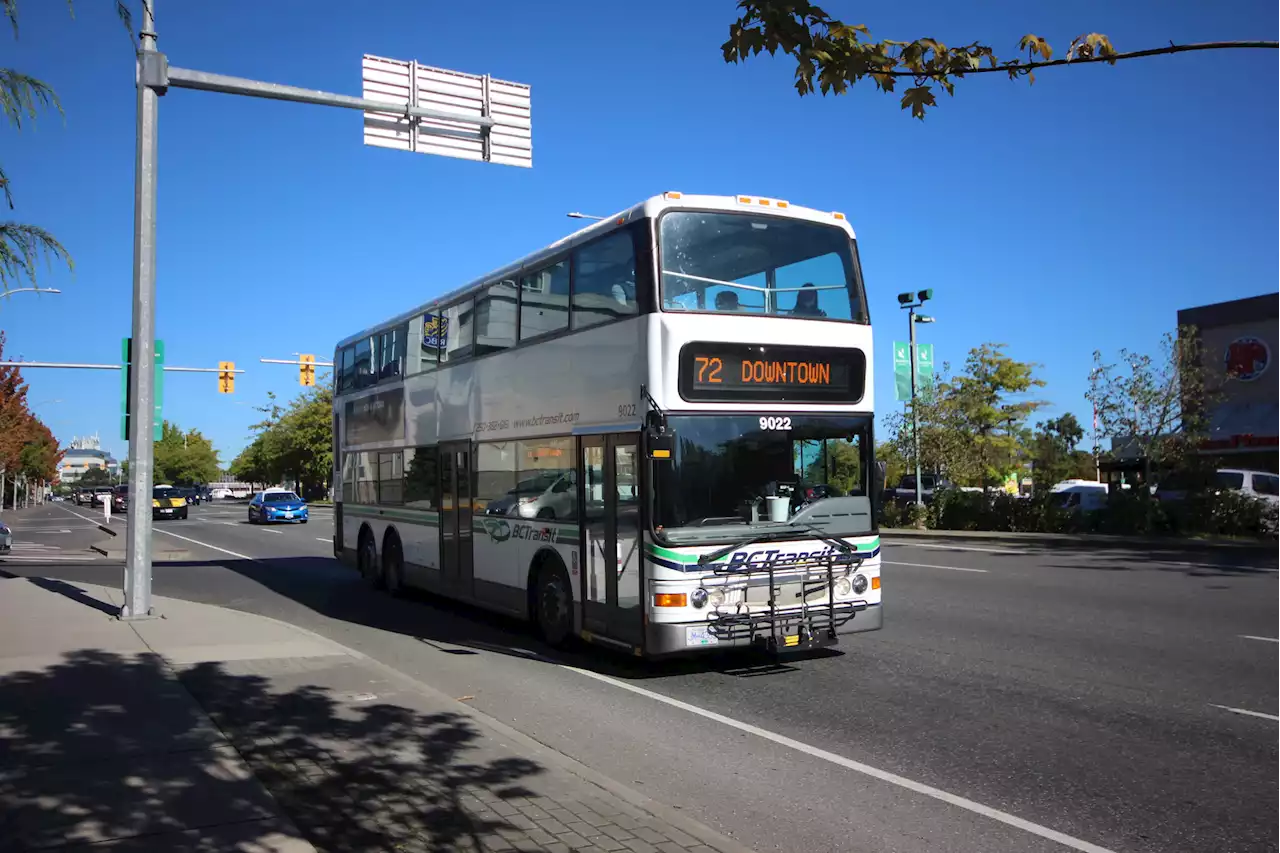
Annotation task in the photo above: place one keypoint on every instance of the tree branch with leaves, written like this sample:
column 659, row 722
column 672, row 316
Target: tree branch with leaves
column 831, row 56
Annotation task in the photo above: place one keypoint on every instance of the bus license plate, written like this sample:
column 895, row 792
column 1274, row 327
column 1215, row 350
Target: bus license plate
column 699, row 635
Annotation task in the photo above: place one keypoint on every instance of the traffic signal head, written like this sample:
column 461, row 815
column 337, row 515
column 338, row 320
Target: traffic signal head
column 226, row 377
column 307, row 370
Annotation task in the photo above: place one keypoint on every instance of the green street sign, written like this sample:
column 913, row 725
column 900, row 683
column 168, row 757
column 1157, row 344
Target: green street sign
column 126, row 386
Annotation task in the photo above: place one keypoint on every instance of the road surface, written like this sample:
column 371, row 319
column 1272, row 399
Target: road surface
column 1018, row 699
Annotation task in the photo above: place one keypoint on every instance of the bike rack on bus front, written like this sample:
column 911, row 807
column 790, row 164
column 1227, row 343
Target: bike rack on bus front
column 784, row 626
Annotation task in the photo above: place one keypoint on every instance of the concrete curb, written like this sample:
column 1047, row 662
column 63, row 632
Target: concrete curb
column 632, row 797
column 1086, row 539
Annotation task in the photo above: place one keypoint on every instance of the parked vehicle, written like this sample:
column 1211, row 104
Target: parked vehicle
column 6, row 538
column 1080, row 495
column 277, row 505
column 1258, row 484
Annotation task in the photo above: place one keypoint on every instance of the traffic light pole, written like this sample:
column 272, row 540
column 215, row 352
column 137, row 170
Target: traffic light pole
column 137, row 571
column 154, row 78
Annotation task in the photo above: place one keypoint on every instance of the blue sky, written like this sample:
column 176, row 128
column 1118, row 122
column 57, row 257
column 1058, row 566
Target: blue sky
column 1078, row 213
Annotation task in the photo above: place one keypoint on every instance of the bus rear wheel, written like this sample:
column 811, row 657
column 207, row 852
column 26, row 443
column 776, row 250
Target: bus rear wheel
column 554, row 602
column 367, row 560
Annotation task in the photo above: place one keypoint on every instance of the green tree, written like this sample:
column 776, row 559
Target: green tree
column 22, row 246
column 972, row 425
column 1054, row 453
column 831, row 56
column 293, row 442
column 184, row 458
column 1158, row 405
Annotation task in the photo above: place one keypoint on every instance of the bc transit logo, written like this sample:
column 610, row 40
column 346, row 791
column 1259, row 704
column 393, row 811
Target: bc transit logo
column 1247, row 358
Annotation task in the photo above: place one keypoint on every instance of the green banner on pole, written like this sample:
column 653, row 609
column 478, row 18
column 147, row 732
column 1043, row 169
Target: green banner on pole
column 901, row 372
column 924, row 369
column 126, row 388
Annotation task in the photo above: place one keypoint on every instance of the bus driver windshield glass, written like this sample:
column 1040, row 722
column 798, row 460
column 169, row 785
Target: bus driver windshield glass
column 752, row 264
column 725, row 468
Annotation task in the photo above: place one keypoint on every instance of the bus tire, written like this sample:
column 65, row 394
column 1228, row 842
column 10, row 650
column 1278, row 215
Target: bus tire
column 392, row 564
column 367, row 558
column 552, row 602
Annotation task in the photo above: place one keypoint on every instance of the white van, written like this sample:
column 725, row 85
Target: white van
column 1080, row 495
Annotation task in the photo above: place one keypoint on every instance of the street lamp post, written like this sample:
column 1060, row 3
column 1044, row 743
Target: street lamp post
column 912, row 301
column 8, row 293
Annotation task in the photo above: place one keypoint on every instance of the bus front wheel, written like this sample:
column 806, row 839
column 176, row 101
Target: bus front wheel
column 554, row 600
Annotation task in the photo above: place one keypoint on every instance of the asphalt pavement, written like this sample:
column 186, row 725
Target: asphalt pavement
column 1020, row 698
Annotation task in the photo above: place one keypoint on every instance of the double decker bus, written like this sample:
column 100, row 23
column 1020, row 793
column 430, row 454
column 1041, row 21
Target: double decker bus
column 654, row 434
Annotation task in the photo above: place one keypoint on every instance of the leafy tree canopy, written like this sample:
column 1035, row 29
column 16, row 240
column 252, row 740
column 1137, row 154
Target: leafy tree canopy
column 832, row 56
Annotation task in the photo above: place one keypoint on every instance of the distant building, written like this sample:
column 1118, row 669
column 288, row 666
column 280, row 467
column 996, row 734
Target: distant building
column 82, row 455
column 1239, row 348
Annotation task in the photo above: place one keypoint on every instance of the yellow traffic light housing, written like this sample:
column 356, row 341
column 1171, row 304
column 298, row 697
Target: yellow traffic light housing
column 307, row 370
column 226, row 377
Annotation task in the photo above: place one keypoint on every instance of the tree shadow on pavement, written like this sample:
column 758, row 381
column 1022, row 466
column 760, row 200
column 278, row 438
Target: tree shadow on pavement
column 102, row 746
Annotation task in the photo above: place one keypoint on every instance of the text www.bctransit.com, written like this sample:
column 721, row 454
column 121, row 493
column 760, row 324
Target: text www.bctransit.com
column 524, row 423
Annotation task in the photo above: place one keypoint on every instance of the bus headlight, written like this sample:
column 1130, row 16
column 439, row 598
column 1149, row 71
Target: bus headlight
column 701, row 597
column 843, row 587
column 859, row 584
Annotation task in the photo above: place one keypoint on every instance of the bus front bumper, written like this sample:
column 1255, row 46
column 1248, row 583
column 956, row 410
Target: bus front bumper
column 673, row 638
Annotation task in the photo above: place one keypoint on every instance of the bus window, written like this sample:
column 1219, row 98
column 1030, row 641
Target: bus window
column 391, row 353
column 364, row 375
column 456, row 340
column 496, row 317
column 604, row 281
column 347, row 370
column 421, row 484
column 752, row 263
column 544, row 301
column 390, row 478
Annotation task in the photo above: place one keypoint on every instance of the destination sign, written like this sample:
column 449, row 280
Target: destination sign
column 730, row 371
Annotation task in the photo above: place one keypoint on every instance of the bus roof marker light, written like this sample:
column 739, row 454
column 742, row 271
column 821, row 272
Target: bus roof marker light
column 837, row 214
column 672, row 195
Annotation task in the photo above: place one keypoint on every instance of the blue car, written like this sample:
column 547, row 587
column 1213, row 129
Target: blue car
column 277, row 505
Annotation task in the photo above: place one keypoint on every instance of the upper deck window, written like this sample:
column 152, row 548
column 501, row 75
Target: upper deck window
column 753, row 264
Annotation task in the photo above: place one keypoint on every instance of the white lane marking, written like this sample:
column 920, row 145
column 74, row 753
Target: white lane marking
column 322, row 539
column 858, row 766
column 1263, row 639
column 930, row 566
column 45, row 558
column 94, row 521
column 1246, row 713
column 1213, row 566
column 900, row 544
column 269, row 530
column 207, row 545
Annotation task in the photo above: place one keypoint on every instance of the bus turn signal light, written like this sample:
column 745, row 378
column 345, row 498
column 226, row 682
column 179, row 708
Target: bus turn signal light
column 670, row 599
column 875, row 583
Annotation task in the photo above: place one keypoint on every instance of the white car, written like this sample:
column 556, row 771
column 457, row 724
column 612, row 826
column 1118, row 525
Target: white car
column 220, row 494
column 1080, row 495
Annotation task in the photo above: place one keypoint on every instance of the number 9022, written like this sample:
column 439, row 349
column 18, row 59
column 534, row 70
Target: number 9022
column 775, row 423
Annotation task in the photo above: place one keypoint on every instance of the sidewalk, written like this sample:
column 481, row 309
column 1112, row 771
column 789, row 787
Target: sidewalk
column 214, row 730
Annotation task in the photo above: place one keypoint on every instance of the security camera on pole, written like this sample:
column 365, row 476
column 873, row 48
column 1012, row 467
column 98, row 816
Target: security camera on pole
column 912, row 301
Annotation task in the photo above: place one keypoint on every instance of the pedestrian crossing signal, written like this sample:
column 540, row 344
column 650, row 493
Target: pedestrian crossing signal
column 226, row 377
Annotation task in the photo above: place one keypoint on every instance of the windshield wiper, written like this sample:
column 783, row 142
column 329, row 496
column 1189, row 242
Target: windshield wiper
column 712, row 556
column 839, row 544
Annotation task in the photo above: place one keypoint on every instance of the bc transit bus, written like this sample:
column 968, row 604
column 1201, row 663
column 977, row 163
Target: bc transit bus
column 654, row 434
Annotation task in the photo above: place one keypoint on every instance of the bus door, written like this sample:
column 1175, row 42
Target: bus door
column 455, row 516
column 612, row 587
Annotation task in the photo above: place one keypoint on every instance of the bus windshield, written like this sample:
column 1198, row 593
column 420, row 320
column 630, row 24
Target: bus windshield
column 753, row 264
column 724, row 469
